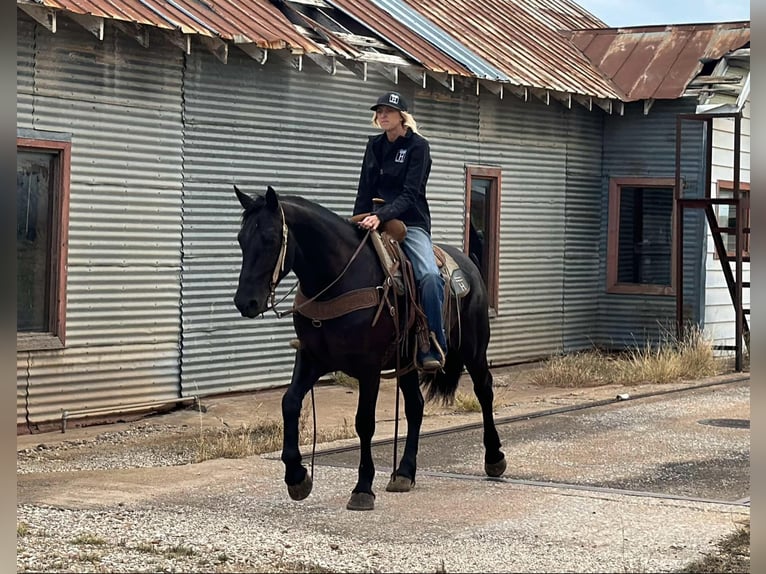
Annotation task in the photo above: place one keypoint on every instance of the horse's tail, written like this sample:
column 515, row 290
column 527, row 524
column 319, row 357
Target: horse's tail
column 442, row 384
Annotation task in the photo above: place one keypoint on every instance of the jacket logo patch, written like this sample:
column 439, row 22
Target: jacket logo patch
column 400, row 155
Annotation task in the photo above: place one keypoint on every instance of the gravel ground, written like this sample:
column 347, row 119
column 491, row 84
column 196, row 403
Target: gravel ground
column 131, row 501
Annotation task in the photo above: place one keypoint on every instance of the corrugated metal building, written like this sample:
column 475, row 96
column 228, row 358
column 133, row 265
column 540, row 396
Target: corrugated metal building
column 163, row 119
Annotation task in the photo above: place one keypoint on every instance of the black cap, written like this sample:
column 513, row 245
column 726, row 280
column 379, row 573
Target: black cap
column 392, row 100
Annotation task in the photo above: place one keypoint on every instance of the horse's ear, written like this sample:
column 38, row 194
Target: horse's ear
column 245, row 200
column 271, row 198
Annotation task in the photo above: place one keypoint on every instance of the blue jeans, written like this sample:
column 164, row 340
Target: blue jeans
column 418, row 247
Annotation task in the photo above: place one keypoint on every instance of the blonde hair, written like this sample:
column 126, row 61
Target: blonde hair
column 408, row 121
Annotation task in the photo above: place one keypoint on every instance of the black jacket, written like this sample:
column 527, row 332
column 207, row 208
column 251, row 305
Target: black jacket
column 399, row 178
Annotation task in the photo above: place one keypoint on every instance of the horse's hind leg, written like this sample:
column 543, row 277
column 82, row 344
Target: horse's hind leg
column 404, row 478
column 362, row 497
column 305, row 374
column 494, row 459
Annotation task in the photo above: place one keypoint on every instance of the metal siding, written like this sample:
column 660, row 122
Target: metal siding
column 304, row 133
column 122, row 105
column 719, row 309
column 638, row 145
column 550, row 211
column 25, row 70
column 525, row 139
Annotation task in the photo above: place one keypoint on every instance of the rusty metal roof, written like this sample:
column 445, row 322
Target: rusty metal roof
column 400, row 35
column 546, row 44
column 658, row 62
column 242, row 21
column 523, row 39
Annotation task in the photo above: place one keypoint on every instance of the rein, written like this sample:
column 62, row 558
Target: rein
column 280, row 267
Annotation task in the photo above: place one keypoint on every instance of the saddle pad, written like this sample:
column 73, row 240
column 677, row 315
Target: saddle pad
column 452, row 272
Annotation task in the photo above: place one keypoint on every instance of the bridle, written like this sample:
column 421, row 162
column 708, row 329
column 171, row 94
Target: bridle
column 279, row 267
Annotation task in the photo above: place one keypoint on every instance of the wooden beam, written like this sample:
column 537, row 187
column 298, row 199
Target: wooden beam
column 604, row 103
column 217, row 47
column 258, row 54
column 542, row 95
column 46, row 17
column 565, row 99
column 136, row 31
column 520, row 92
column 93, row 24
column 180, row 40
column 391, row 73
column 358, row 68
column 585, row 101
column 445, row 79
column 492, row 87
column 327, row 63
column 417, row 75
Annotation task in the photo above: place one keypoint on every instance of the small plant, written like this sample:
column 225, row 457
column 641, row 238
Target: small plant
column 467, row 403
column 179, row 551
column 88, row 540
column 145, row 547
column 89, row 557
column 342, row 379
column 22, row 529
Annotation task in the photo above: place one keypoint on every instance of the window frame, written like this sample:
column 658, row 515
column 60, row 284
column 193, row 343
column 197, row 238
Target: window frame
column 494, row 175
column 613, row 237
column 727, row 185
column 55, row 337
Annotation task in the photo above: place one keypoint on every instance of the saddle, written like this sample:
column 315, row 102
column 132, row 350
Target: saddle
column 398, row 270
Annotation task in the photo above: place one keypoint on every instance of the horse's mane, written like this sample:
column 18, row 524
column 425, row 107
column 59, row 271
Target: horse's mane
column 318, row 211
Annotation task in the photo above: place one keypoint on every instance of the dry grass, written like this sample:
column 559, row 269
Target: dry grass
column 342, row 379
column 249, row 440
column 466, row 403
column 669, row 361
column 731, row 556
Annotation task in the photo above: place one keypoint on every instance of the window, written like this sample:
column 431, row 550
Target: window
column 482, row 225
column 640, row 253
column 727, row 217
column 42, row 217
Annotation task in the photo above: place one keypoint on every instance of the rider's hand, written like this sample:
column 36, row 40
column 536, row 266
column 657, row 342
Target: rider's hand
column 370, row 222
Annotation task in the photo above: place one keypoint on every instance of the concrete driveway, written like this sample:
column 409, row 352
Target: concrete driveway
column 594, row 484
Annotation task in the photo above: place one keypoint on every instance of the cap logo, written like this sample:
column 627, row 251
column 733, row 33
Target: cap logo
column 393, row 98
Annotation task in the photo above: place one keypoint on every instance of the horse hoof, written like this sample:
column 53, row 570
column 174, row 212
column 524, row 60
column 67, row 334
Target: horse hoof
column 361, row 501
column 496, row 468
column 400, row 484
column 301, row 490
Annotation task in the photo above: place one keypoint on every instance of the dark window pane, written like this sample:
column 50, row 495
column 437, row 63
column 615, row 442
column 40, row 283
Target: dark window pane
column 645, row 240
column 479, row 224
column 34, row 176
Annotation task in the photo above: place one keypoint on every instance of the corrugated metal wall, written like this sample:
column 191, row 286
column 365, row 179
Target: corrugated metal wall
column 303, row 132
column 638, row 145
column 159, row 138
column 121, row 104
column 550, row 204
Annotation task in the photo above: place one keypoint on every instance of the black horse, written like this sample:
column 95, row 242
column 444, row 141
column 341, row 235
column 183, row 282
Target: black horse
column 279, row 234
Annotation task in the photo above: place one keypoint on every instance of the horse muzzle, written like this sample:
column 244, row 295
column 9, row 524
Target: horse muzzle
column 249, row 307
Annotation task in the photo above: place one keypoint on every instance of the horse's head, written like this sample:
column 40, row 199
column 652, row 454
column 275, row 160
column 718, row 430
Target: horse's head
column 261, row 241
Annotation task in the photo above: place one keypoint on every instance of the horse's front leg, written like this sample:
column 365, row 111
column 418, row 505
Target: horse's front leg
column 403, row 478
column 362, row 497
column 305, row 374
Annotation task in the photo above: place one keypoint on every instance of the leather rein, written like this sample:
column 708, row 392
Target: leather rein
column 351, row 301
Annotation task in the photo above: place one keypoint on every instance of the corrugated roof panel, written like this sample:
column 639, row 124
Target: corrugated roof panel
column 658, row 62
column 399, row 35
column 242, row 21
column 522, row 39
column 441, row 39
